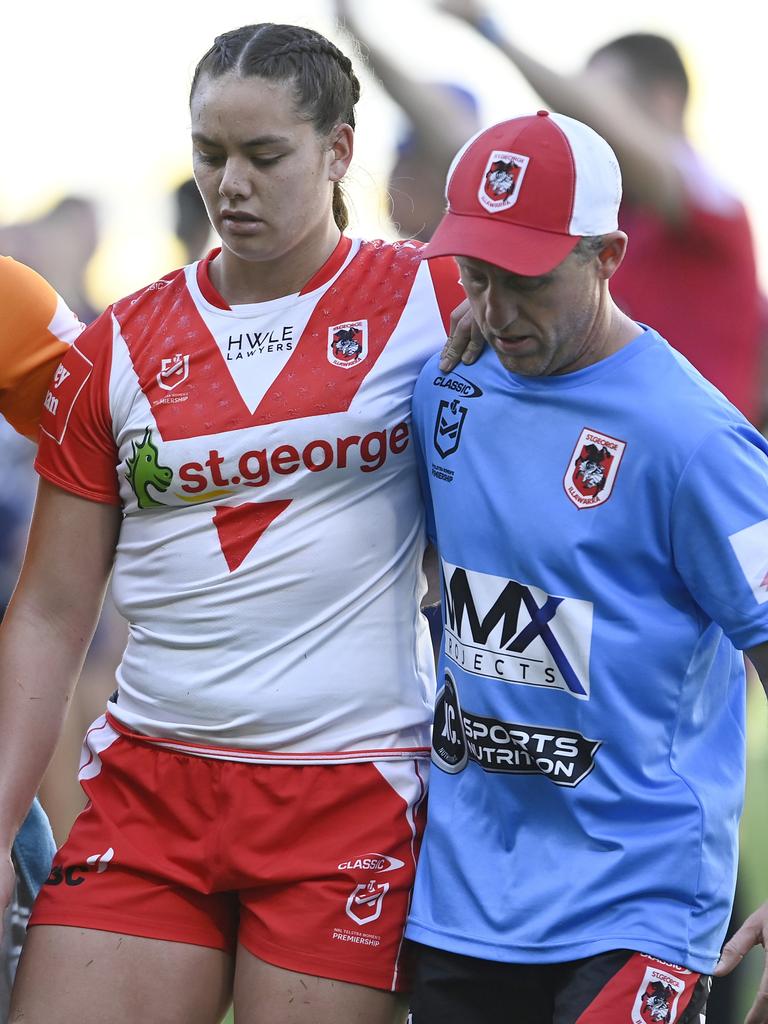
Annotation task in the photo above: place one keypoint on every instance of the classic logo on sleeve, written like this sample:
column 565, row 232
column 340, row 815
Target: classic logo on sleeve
column 68, row 381
column 348, row 344
column 502, row 178
column 751, row 549
column 592, row 468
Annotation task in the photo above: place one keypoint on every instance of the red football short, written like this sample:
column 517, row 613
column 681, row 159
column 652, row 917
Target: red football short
column 310, row 868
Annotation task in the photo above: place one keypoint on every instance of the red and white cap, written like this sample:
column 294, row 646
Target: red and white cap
column 522, row 193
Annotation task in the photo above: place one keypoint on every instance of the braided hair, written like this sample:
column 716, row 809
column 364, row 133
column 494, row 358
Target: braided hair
column 326, row 88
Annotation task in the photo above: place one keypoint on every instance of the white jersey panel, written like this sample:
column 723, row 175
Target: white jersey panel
column 271, row 571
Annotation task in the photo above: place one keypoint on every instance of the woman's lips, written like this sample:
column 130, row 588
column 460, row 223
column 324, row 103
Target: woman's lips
column 241, row 223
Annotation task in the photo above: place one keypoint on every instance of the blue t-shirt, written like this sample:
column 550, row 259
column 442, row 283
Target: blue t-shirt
column 604, row 545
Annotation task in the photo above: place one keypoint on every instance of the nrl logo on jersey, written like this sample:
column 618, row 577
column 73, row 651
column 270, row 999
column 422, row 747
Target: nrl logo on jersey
column 448, row 423
column 502, row 178
column 173, row 371
column 592, row 468
column 348, row 344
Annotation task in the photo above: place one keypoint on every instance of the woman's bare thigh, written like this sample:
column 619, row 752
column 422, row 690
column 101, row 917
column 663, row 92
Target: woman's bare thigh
column 83, row 976
column 265, row 994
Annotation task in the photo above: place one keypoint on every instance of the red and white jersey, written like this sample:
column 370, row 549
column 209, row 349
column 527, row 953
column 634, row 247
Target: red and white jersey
column 269, row 561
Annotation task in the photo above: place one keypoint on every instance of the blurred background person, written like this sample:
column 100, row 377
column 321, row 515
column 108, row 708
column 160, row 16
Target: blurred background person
column 59, row 245
column 691, row 268
column 191, row 225
column 439, row 116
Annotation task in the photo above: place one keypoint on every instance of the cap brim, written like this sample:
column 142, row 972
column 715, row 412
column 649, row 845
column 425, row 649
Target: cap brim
column 518, row 249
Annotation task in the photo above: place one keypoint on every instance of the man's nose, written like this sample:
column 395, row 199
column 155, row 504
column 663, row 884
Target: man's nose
column 500, row 309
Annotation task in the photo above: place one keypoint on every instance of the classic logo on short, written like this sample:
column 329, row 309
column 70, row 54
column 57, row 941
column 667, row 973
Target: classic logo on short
column 502, row 178
column 348, row 343
column 450, row 419
column 173, row 371
column 366, row 900
column 592, row 468
column 657, row 998
column 516, row 632
column 378, row 862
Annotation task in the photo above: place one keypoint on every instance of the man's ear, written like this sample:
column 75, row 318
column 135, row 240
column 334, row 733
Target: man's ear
column 612, row 253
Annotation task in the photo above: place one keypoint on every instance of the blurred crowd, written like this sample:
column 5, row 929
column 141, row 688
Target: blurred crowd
column 690, row 269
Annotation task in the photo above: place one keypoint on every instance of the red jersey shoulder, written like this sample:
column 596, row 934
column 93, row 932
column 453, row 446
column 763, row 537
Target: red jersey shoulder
column 380, row 275
column 159, row 293
column 449, row 293
column 408, row 256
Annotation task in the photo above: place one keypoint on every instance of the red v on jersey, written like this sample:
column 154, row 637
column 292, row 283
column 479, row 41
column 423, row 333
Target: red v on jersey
column 240, row 527
column 189, row 385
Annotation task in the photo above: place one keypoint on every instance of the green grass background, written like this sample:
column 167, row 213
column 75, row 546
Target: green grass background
column 754, row 833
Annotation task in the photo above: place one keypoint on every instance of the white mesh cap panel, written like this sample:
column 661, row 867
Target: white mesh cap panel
column 598, row 179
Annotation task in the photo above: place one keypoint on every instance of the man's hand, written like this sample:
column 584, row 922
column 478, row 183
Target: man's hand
column 753, row 932
column 465, row 342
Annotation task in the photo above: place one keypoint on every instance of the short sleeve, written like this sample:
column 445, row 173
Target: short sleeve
column 77, row 450
column 36, row 328
column 720, row 532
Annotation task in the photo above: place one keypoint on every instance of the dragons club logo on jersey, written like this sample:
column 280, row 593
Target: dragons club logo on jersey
column 657, row 997
column 348, row 343
column 502, row 178
column 173, row 371
column 592, row 468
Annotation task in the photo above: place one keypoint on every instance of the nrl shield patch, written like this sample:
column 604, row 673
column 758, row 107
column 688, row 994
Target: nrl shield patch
column 591, row 472
column 502, row 178
column 348, row 343
column 448, row 423
column 173, row 371
column 366, row 900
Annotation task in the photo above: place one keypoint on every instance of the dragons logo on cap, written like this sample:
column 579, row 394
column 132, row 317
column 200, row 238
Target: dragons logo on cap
column 502, row 178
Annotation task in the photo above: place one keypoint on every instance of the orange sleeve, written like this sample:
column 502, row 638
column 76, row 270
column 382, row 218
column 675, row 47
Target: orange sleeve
column 36, row 329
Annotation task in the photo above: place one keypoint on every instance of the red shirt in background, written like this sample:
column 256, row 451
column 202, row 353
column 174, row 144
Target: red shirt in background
column 696, row 284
